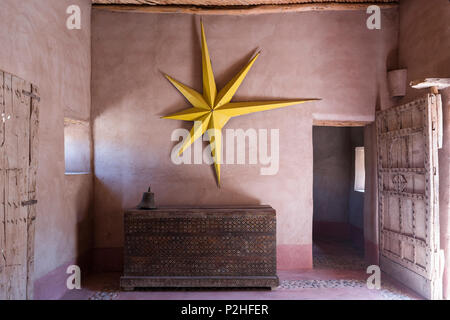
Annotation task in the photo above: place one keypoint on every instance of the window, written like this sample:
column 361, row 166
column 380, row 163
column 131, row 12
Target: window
column 360, row 174
column 77, row 146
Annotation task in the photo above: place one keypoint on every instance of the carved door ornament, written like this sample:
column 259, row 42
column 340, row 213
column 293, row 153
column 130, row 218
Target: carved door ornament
column 399, row 182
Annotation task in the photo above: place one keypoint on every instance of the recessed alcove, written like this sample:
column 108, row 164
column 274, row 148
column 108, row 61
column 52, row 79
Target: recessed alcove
column 77, row 146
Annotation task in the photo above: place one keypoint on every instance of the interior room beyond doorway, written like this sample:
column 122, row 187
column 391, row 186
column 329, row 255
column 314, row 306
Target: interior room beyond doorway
column 338, row 220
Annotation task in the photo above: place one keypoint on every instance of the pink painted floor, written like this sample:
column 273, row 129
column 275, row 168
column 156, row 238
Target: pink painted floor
column 339, row 273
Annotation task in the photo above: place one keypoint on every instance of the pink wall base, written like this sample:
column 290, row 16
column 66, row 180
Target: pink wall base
column 294, row 256
column 52, row 286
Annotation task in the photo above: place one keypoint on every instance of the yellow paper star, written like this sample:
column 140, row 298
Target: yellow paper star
column 214, row 109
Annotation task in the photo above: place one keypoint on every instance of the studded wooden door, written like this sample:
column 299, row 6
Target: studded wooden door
column 18, row 164
column 408, row 193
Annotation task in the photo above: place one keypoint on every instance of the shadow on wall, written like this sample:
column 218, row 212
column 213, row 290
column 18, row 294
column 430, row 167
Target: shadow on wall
column 78, row 196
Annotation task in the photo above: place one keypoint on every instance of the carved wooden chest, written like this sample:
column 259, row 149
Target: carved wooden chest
column 200, row 247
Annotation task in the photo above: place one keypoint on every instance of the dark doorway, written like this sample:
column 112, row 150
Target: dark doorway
column 338, row 193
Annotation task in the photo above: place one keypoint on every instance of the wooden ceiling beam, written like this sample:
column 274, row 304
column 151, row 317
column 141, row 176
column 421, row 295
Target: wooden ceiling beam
column 340, row 123
column 233, row 2
column 241, row 10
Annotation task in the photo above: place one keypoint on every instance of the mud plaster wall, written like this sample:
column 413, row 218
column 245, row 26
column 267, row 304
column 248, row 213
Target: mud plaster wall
column 36, row 45
column 329, row 55
column 424, row 48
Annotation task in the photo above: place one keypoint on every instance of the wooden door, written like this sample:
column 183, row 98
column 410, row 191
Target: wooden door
column 408, row 194
column 18, row 164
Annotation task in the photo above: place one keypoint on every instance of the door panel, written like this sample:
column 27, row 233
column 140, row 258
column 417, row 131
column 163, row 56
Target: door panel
column 407, row 141
column 17, row 186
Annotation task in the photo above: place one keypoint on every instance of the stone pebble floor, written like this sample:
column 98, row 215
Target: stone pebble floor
column 349, row 260
column 105, row 294
column 387, row 291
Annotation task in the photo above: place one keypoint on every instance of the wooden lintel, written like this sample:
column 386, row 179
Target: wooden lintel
column 338, row 123
column 68, row 121
column 241, row 10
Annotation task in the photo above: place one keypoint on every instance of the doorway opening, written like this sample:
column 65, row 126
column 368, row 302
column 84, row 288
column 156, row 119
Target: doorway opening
column 338, row 195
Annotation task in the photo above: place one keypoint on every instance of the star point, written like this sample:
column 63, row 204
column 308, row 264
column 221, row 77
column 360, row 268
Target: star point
column 212, row 110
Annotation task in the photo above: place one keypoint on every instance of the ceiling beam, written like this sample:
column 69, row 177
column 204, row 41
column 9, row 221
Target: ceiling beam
column 241, row 10
column 340, row 123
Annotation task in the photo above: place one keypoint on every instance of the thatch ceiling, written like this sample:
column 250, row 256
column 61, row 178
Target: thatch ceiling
column 233, row 2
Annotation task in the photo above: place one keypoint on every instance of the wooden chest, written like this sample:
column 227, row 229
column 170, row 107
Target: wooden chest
column 200, row 247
